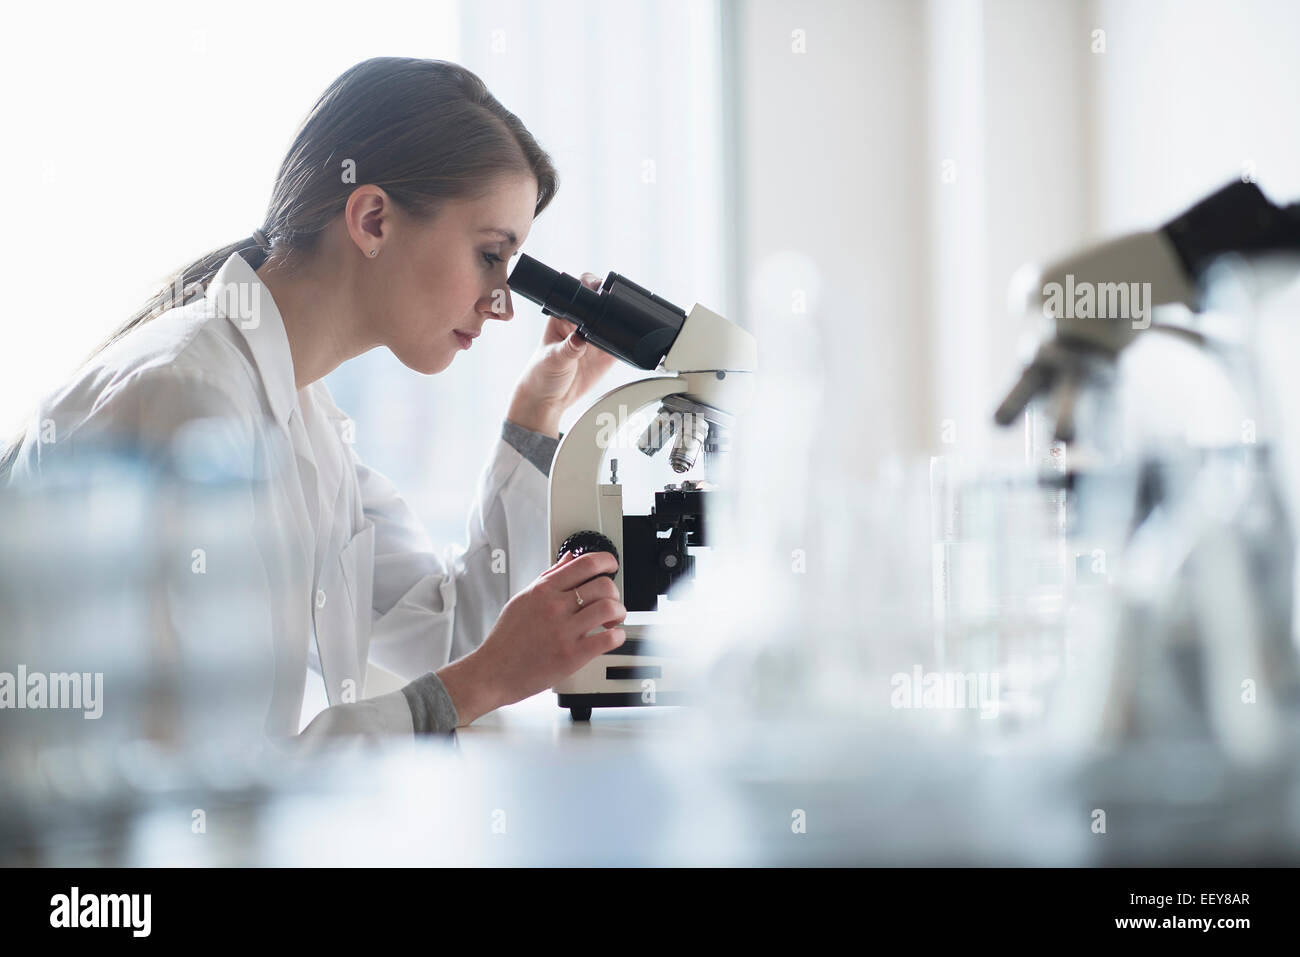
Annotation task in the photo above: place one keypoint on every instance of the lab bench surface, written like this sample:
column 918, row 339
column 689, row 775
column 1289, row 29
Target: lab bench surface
column 680, row 786
column 541, row 720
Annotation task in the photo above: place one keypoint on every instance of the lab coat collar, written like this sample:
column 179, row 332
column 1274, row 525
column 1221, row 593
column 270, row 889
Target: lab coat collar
column 237, row 294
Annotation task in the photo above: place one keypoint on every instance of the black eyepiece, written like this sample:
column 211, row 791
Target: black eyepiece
column 622, row 318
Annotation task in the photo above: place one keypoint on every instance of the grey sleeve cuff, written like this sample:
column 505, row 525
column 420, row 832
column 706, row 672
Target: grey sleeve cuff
column 431, row 709
column 534, row 446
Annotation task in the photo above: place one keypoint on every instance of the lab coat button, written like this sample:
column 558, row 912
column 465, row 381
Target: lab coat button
column 320, row 598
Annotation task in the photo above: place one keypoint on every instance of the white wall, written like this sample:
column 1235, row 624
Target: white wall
column 917, row 154
column 1190, row 95
column 138, row 137
column 832, row 210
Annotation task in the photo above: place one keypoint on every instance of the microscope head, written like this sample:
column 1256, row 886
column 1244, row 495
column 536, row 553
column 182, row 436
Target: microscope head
column 635, row 325
column 1099, row 299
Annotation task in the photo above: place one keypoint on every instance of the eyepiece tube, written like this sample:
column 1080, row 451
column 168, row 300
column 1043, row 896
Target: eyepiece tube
column 558, row 293
column 623, row 319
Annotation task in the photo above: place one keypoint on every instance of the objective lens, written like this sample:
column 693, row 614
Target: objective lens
column 688, row 442
column 657, row 433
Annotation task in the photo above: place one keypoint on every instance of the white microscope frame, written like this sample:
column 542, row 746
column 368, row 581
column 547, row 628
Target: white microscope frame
column 714, row 363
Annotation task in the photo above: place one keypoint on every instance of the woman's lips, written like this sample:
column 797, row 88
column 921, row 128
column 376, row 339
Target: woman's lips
column 465, row 340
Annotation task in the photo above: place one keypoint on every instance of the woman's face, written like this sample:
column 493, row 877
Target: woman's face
column 441, row 281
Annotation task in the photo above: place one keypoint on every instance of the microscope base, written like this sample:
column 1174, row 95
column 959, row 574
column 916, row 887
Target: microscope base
column 580, row 705
column 639, row 673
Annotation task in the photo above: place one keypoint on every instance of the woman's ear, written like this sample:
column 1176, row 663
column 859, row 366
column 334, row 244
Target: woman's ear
column 369, row 218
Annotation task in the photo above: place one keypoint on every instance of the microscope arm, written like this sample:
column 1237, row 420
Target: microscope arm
column 574, row 488
column 575, row 492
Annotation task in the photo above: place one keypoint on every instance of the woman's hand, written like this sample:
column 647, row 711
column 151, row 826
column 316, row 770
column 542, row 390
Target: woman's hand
column 541, row 637
column 562, row 371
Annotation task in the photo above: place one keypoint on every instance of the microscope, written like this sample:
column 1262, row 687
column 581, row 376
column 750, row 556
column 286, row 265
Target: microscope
column 1201, row 641
column 709, row 365
column 1172, row 265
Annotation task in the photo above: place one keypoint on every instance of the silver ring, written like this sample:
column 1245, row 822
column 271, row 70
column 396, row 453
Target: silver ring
column 579, row 597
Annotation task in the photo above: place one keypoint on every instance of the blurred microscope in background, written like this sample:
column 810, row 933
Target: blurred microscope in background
column 1196, row 529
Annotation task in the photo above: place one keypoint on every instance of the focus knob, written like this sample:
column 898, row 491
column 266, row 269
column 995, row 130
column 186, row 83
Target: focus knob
column 580, row 543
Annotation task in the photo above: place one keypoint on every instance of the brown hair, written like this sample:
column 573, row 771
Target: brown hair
column 425, row 131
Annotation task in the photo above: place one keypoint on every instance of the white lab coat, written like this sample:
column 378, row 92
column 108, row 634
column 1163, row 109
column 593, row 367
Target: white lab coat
column 379, row 591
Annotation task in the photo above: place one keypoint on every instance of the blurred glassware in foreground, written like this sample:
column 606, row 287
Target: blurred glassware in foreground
column 138, row 589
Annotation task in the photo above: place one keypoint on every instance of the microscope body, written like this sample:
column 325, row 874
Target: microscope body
column 711, row 365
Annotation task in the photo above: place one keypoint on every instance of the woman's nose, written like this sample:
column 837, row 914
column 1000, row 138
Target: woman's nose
column 499, row 304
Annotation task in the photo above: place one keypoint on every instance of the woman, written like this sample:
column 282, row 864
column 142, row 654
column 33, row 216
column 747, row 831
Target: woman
column 394, row 216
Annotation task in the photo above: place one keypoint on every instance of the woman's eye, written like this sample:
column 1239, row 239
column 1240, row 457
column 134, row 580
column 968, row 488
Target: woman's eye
column 491, row 259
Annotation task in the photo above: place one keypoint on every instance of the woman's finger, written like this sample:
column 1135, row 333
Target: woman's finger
column 557, row 330
column 581, row 569
column 603, row 641
column 606, row 613
column 592, row 591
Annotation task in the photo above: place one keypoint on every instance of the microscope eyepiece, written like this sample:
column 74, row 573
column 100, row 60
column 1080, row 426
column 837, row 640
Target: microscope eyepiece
column 623, row 319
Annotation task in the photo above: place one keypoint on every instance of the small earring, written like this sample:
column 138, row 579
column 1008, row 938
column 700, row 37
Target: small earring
column 374, row 252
